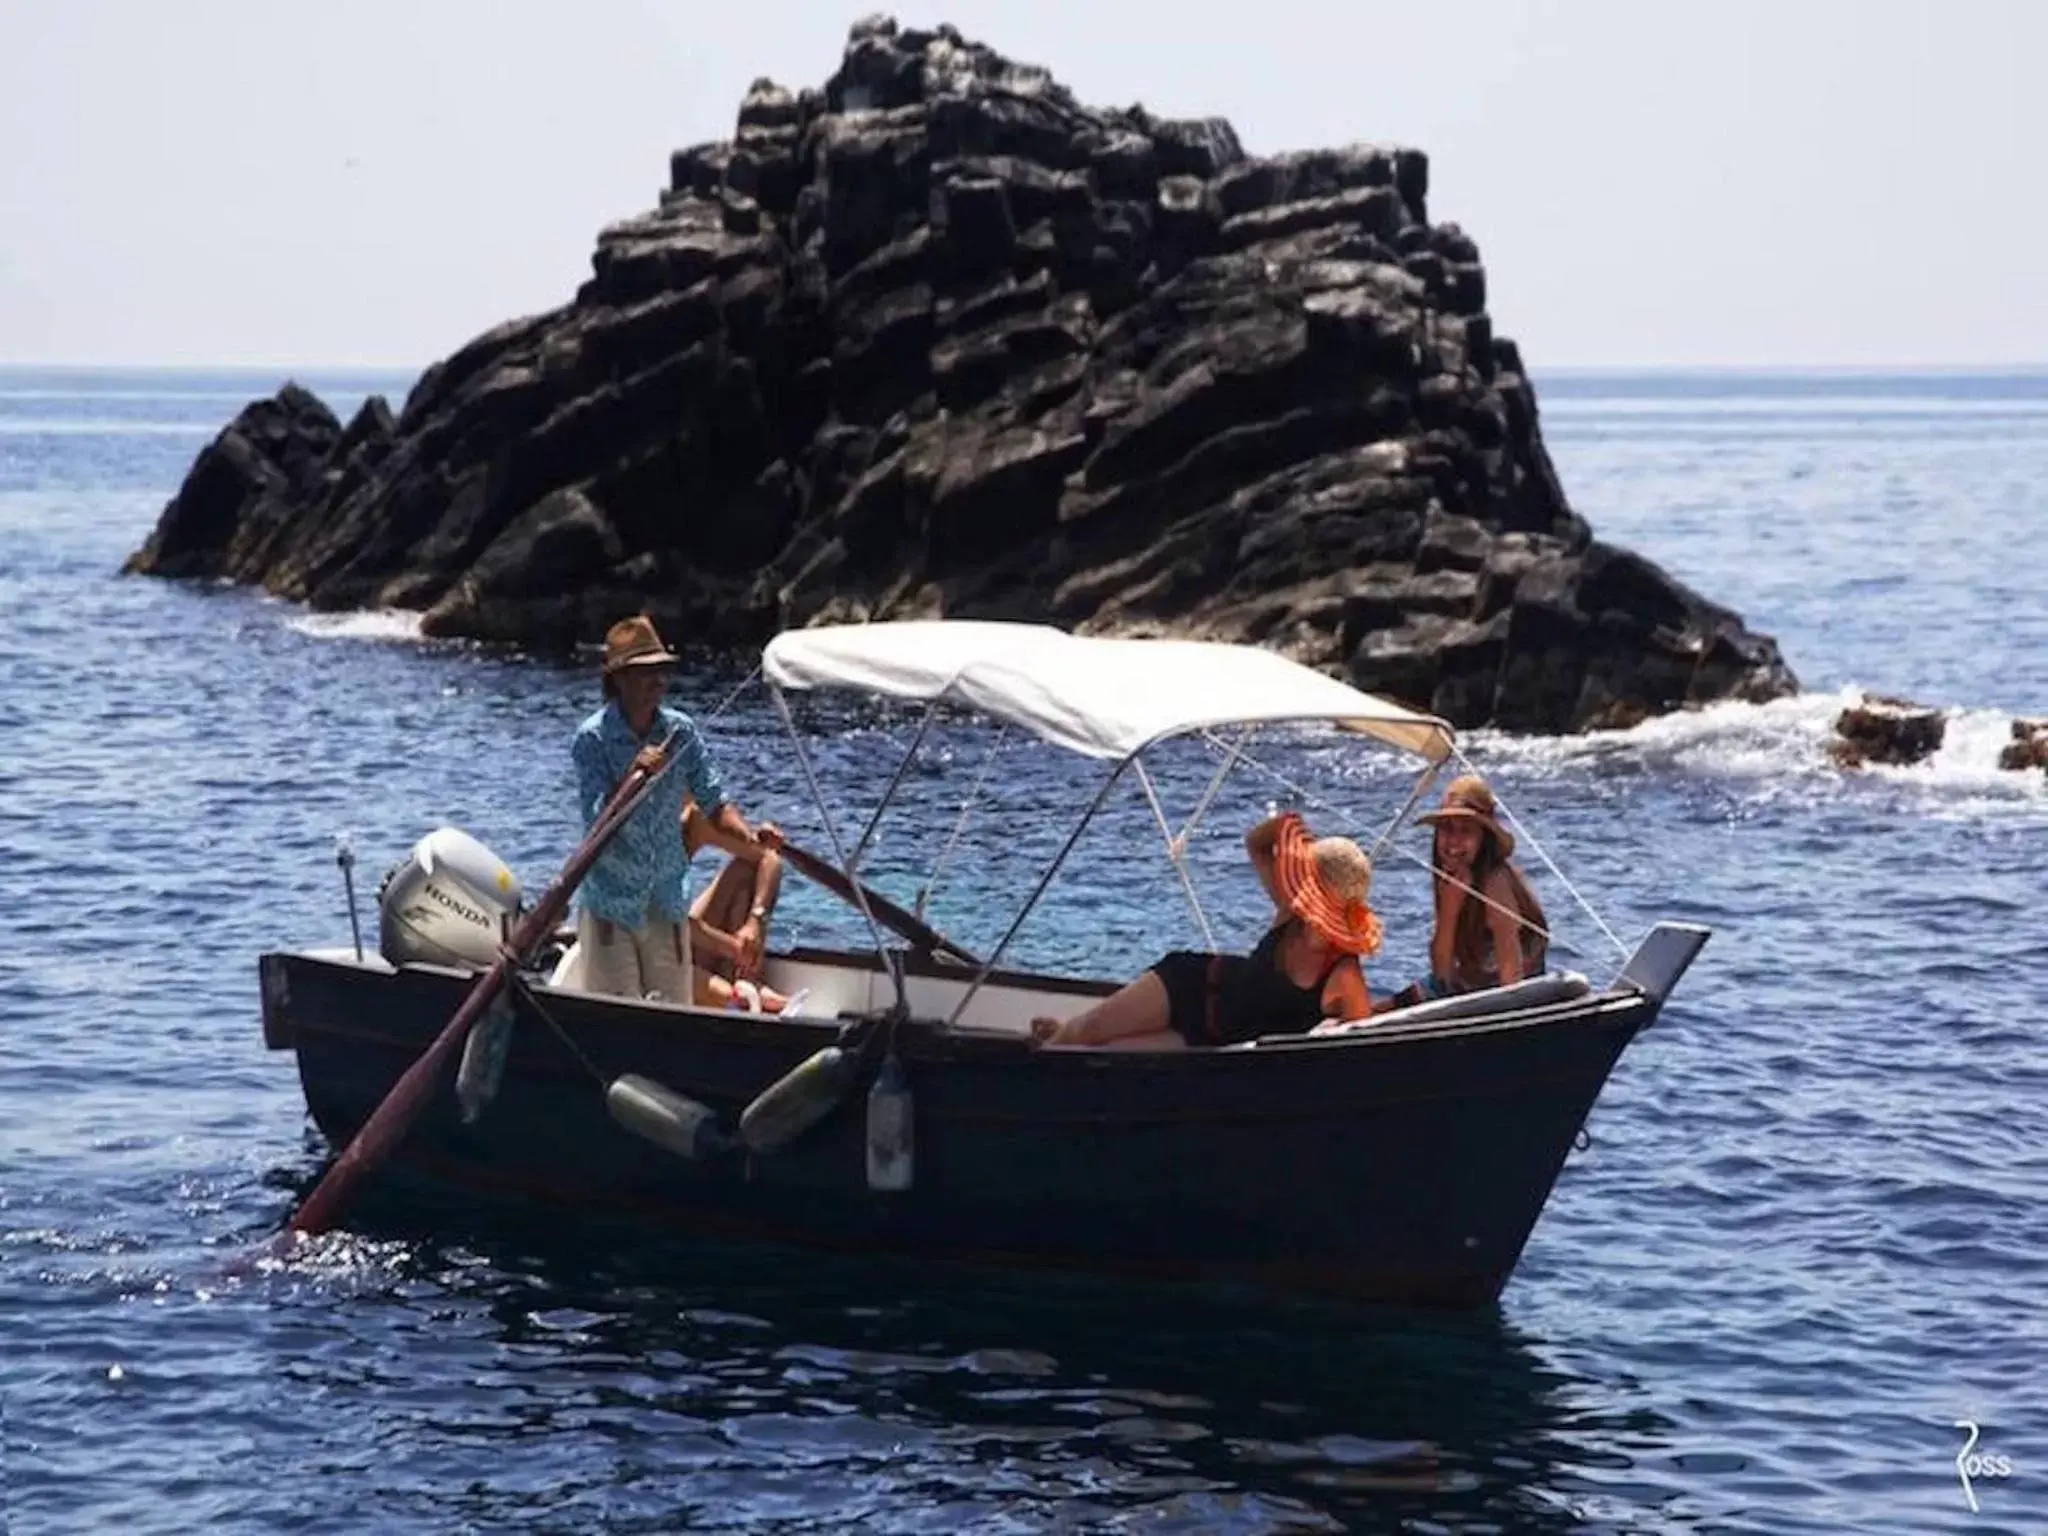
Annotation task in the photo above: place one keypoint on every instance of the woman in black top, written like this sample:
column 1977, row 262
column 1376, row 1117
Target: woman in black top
column 1303, row 971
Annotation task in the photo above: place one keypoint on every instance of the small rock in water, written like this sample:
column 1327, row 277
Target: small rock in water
column 1887, row 731
column 2028, row 747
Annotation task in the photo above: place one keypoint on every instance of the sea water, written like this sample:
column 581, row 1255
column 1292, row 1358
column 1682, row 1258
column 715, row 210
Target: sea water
column 1808, row 1241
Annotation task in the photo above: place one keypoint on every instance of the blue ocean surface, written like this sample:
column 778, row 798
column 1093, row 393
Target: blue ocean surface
column 1808, row 1239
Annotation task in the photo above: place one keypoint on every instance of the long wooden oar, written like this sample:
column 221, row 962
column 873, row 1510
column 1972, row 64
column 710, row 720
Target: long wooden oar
column 382, row 1132
column 901, row 919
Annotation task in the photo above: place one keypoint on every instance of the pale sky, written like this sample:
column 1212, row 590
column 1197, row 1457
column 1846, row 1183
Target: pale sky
column 1746, row 182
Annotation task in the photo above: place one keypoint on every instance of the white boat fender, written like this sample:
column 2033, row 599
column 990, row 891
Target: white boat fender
column 805, row 1094
column 891, row 1141
column 483, row 1060
column 673, row 1121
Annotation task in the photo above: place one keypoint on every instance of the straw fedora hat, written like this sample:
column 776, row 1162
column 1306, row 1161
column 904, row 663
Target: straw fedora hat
column 635, row 642
column 1468, row 799
column 1325, row 882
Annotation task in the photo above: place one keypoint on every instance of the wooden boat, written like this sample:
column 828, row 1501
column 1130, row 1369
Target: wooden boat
column 1404, row 1159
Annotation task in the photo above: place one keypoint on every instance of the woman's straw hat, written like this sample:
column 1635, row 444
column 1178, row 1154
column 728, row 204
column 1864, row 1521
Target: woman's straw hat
column 1468, row 799
column 635, row 642
column 1325, row 883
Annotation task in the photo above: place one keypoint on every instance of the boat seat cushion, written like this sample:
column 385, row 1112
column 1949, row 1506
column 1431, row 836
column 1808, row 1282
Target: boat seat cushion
column 1535, row 992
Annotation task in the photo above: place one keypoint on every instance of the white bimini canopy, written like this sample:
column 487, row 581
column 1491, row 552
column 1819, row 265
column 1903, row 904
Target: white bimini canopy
column 1098, row 696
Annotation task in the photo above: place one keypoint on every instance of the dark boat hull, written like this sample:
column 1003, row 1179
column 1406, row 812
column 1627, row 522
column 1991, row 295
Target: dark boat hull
column 1391, row 1166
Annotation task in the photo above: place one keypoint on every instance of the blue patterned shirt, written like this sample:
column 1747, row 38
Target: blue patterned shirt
column 643, row 865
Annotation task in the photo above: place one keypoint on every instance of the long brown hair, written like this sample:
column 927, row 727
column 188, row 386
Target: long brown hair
column 1472, row 943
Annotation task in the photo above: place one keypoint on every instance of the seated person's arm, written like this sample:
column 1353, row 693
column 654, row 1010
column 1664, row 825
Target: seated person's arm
column 1260, row 844
column 724, row 829
column 1345, row 994
column 722, row 822
column 1505, row 928
column 1443, row 938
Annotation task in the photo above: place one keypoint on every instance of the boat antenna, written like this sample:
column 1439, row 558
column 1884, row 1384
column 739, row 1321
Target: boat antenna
column 345, row 858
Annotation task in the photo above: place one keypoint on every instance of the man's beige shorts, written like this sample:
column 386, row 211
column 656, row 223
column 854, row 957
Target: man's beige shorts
column 652, row 960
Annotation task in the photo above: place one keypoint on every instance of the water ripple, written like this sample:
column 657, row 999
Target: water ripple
column 1806, row 1239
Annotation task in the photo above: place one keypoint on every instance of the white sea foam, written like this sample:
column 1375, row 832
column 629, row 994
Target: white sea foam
column 1783, row 737
column 1786, row 741
column 398, row 625
column 1965, row 774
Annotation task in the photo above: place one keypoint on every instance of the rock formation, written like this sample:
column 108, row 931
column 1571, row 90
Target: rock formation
column 2028, row 747
column 937, row 339
column 1892, row 732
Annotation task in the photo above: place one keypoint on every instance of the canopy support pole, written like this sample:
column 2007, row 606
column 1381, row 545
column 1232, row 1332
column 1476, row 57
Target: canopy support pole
column 931, row 881
column 1173, row 857
column 868, row 832
column 803, row 759
column 1422, row 783
column 1044, row 880
column 1215, row 787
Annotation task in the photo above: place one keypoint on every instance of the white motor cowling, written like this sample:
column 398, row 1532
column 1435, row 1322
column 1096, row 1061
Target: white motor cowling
column 452, row 902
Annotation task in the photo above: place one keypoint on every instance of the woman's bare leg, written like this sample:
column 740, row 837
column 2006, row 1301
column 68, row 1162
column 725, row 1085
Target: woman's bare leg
column 1137, row 1011
column 725, row 902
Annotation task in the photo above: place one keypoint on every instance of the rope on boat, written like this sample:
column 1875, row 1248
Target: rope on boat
column 745, row 683
column 1550, row 863
column 521, row 986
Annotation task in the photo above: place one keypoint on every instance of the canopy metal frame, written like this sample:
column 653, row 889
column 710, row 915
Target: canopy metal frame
column 1175, row 843
column 1436, row 754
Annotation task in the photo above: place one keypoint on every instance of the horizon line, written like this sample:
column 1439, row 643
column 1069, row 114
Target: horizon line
column 1979, row 369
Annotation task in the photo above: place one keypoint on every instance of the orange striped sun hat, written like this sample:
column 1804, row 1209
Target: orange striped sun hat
column 1325, row 882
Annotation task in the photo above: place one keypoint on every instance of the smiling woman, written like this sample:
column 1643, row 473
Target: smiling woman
column 1490, row 930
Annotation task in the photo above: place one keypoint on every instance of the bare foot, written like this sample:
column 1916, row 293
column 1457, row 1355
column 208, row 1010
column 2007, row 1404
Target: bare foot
column 1042, row 1030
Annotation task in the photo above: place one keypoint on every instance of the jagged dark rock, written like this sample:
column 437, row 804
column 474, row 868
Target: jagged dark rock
column 937, row 339
column 2028, row 747
column 1894, row 732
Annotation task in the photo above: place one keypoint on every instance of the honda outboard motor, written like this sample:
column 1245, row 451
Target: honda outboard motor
column 452, row 902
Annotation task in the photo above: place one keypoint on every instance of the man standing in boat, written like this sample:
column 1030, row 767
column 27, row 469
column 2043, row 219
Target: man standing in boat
column 635, row 928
